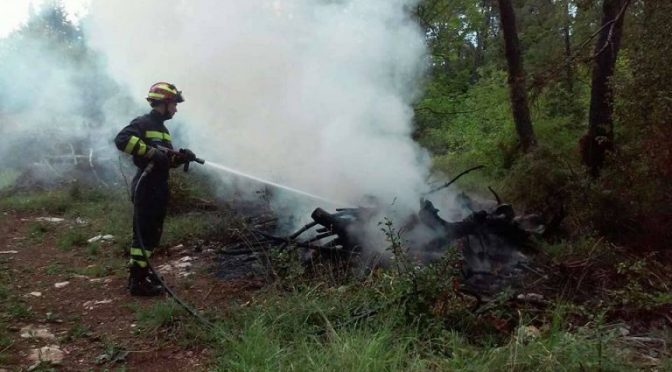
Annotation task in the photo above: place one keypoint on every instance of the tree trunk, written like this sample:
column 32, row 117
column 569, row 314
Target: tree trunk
column 569, row 75
column 600, row 136
column 517, row 86
column 482, row 39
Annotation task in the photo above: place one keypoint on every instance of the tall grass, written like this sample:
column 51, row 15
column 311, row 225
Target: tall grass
column 312, row 329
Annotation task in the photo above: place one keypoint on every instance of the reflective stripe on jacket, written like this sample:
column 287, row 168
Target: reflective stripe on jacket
column 143, row 132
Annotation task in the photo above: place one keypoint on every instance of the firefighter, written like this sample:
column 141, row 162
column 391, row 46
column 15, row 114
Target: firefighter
column 146, row 138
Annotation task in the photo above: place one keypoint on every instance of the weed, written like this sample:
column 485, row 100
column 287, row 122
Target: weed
column 18, row 310
column 189, row 226
column 37, row 230
column 77, row 331
column 5, row 341
column 54, row 269
column 4, row 293
column 163, row 314
column 113, row 354
column 94, row 271
column 70, row 239
column 171, row 320
column 286, row 265
column 50, row 202
column 92, row 249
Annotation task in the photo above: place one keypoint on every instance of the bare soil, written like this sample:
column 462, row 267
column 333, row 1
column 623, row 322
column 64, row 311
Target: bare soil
column 101, row 308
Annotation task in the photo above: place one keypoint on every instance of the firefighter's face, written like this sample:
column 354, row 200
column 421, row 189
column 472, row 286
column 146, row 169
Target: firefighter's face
column 171, row 109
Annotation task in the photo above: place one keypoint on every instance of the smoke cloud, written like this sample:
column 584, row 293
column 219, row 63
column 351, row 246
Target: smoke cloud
column 55, row 99
column 312, row 94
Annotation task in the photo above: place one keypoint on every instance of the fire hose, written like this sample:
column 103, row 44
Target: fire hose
column 136, row 225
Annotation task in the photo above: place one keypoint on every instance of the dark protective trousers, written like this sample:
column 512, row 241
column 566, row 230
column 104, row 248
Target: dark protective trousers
column 150, row 204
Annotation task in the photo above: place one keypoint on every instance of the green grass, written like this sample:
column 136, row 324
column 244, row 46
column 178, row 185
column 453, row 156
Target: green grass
column 160, row 315
column 170, row 321
column 77, row 331
column 11, row 306
column 312, row 329
column 189, row 226
column 72, row 238
column 55, row 269
column 5, row 336
column 48, row 202
column 38, row 230
column 260, row 348
column 95, row 270
column 108, row 211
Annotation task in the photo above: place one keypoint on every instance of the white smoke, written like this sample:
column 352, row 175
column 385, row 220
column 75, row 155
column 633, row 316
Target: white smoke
column 54, row 99
column 312, row 94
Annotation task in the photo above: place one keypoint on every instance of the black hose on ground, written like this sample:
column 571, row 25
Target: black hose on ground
column 171, row 293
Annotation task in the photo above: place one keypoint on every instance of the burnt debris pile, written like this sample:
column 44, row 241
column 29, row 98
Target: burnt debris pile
column 494, row 243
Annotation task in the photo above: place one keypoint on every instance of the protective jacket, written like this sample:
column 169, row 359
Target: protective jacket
column 144, row 131
column 151, row 198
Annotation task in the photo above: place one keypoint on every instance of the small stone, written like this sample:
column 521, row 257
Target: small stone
column 9, row 252
column 101, row 237
column 623, row 331
column 35, row 294
column 531, row 332
column 527, row 333
column 90, row 305
column 50, row 219
column 95, row 239
column 183, row 265
column 47, row 354
column 61, row 284
column 530, row 297
column 30, row 331
column 166, row 268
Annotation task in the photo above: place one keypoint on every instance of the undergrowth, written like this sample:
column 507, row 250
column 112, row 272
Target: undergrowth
column 413, row 319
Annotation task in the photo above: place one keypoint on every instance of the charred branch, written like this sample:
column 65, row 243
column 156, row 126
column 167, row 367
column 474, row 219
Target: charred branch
column 453, row 180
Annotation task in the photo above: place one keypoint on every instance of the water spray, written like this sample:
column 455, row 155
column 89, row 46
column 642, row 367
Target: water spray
column 271, row 183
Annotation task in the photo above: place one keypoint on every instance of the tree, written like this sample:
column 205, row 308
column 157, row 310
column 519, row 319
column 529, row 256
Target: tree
column 517, row 85
column 599, row 139
column 566, row 36
column 482, row 38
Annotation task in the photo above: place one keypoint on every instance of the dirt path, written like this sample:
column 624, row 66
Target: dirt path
column 91, row 319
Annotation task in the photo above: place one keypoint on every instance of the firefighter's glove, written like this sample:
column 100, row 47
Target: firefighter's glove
column 188, row 155
column 159, row 158
column 181, row 157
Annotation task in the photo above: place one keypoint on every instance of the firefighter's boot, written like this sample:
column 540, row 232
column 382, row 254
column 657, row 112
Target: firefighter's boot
column 139, row 283
column 155, row 279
